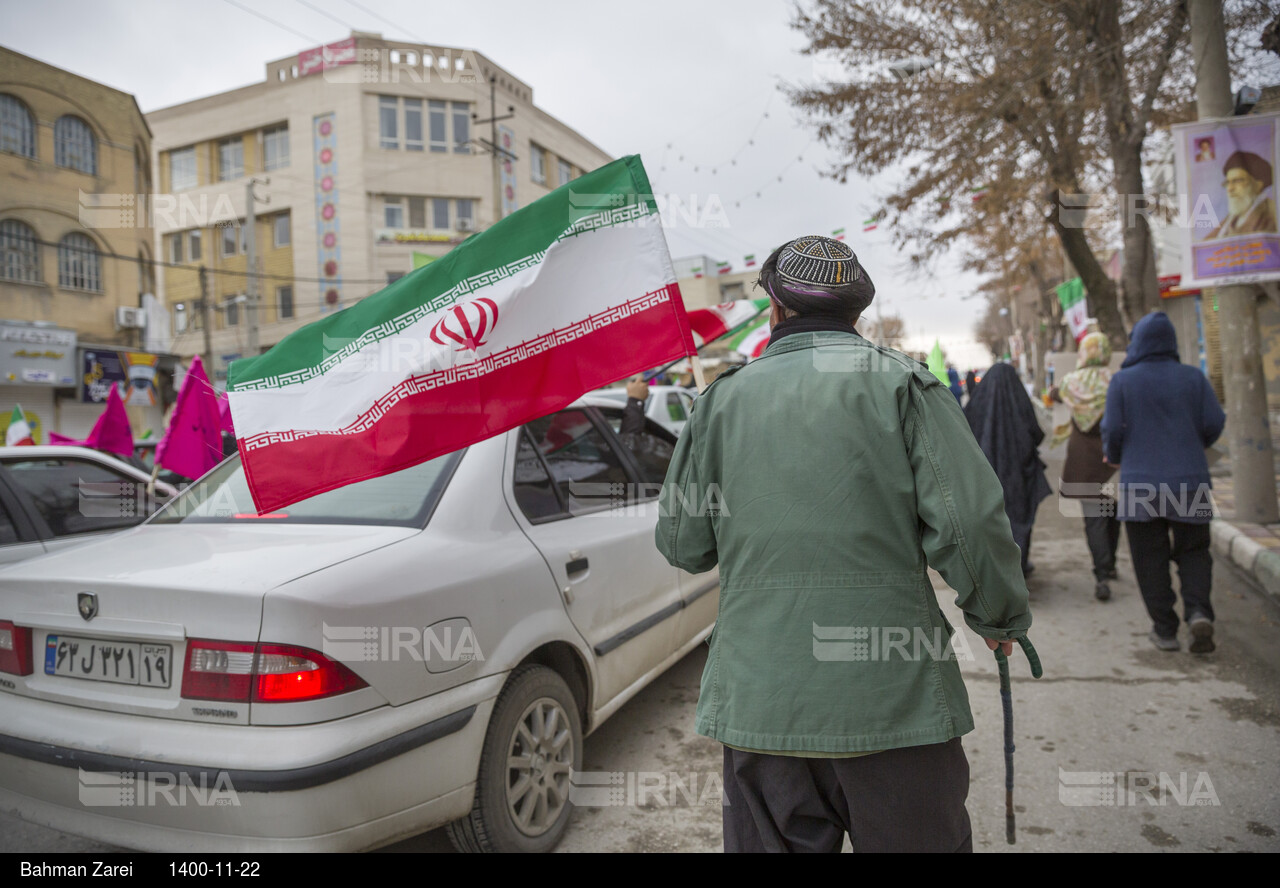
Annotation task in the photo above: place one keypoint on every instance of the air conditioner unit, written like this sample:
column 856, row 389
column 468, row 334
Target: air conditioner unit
column 130, row 318
column 466, row 225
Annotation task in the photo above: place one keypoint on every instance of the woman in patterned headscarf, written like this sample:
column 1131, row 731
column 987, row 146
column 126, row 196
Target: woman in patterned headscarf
column 1084, row 390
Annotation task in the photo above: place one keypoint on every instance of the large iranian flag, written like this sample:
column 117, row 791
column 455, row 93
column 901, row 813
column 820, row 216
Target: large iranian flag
column 568, row 294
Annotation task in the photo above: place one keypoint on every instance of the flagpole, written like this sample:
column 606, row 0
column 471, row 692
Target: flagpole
column 699, row 378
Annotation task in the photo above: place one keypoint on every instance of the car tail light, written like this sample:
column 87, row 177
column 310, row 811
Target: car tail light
column 15, row 649
column 264, row 673
column 287, row 673
column 218, row 670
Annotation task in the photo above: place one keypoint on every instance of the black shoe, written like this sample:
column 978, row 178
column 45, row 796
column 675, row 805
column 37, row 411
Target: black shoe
column 1102, row 591
column 1201, row 635
column 1163, row 643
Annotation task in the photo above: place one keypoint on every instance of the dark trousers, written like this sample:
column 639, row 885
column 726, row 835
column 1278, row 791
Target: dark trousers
column 1103, row 535
column 899, row 800
column 1150, row 546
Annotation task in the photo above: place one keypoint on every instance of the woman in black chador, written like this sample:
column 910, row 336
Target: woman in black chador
column 1004, row 422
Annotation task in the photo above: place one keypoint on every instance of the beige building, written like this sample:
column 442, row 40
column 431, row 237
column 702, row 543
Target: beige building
column 368, row 158
column 75, row 253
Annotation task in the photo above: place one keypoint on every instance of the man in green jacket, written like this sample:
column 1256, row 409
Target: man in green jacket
column 823, row 478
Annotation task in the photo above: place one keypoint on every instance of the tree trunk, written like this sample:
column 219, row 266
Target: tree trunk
column 1101, row 289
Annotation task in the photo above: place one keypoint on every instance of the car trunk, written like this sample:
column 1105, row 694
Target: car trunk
column 153, row 589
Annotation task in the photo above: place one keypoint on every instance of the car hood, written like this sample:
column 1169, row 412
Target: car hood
column 248, row 558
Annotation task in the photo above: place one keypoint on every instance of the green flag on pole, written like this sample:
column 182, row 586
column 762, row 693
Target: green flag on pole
column 421, row 259
column 937, row 363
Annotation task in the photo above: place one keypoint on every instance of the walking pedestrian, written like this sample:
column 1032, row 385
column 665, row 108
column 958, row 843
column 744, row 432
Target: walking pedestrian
column 1160, row 417
column 839, row 469
column 953, row 377
column 1004, row 423
column 1084, row 390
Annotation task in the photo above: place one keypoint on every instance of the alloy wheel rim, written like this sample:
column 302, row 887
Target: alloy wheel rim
column 539, row 762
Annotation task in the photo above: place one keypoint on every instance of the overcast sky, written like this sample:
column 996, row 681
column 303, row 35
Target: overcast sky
column 696, row 75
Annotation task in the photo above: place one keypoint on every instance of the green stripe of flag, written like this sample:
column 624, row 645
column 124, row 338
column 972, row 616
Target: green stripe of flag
column 521, row 239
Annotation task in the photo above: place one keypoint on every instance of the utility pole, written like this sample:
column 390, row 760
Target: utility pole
column 251, row 251
column 499, row 153
column 1248, row 428
column 206, row 321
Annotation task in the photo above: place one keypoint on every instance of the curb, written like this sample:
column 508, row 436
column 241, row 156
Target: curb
column 1259, row 562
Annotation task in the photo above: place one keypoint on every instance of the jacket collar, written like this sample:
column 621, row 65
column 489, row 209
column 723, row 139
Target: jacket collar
column 808, row 339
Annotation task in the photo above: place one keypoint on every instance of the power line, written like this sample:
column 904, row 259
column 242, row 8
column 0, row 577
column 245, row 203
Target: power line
column 328, row 15
column 385, row 20
column 270, row 20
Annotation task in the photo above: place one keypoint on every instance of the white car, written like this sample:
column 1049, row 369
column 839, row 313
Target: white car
column 424, row 648
column 52, row 497
column 667, row 405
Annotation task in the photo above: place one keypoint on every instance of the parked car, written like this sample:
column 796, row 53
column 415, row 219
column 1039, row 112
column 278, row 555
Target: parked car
column 53, row 496
column 667, row 405
column 425, row 648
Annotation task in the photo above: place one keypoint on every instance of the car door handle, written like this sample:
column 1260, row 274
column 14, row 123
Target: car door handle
column 576, row 566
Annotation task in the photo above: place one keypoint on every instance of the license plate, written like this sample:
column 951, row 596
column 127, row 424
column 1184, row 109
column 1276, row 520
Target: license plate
column 119, row 662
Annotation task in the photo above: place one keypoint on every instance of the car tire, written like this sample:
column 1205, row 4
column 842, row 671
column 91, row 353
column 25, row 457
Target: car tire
column 524, row 809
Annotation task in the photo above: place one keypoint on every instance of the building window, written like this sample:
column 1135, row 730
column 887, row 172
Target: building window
column 388, row 132
column 17, row 131
column 393, row 276
column 180, row 318
column 228, row 239
column 275, row 147
column 565, row 172
column 74, row 146
column 19, row 252
column 440, row 214
column 230, row 159
column 538, row 164
column 79, row 263
column 461, row 128
column 175, row 248
column 436, row 113
column 281, row 235
column 417, row 212
column 193, row 245
column 413, row 124
column 393, row 213
column 466, row 214
column 284, row 302
column 232, row 309
column 182, row 169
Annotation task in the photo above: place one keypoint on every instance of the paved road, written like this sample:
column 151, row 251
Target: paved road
column 1109, row 703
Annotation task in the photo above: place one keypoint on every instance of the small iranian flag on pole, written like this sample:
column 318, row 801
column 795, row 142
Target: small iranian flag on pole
column 697, row 271
column 749, row 260
column 751, row 342
column 1075, row 308
column 19, row 431
column 565, row 295
column 714, row 322
column 723, row 268
column 871, row 224
column 838, row 234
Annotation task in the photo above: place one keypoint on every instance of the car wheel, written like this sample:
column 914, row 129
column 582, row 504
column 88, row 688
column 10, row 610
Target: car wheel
column 533, row 744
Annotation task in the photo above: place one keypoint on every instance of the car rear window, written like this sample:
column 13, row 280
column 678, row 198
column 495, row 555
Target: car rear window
column 404, row 498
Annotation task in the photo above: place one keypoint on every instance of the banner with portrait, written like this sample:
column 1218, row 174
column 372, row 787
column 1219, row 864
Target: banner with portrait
column 1226, row 174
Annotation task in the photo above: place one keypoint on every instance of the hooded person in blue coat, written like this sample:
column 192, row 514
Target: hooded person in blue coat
column 1160, row 417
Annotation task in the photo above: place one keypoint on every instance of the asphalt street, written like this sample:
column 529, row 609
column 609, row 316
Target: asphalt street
column 1188, row 744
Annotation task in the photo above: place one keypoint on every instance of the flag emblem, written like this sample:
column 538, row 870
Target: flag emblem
column 470, row 325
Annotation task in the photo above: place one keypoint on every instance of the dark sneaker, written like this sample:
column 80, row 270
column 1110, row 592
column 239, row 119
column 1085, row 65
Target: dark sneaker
column 1201, row 635
column 1164, row 644
column 1102, row 591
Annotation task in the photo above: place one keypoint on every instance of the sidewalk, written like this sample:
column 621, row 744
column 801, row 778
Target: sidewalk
column 1254, row 548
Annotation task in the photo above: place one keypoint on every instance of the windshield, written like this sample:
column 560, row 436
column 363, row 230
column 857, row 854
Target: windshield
column 404, row 498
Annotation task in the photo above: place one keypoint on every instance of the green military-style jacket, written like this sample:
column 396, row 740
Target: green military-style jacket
column 822, row 478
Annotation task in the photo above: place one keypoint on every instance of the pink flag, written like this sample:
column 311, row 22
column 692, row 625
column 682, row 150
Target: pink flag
column 111, row 432
column 192, row 444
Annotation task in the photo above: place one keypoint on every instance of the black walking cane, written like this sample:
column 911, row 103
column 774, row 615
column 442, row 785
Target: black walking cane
column 1006, row 702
